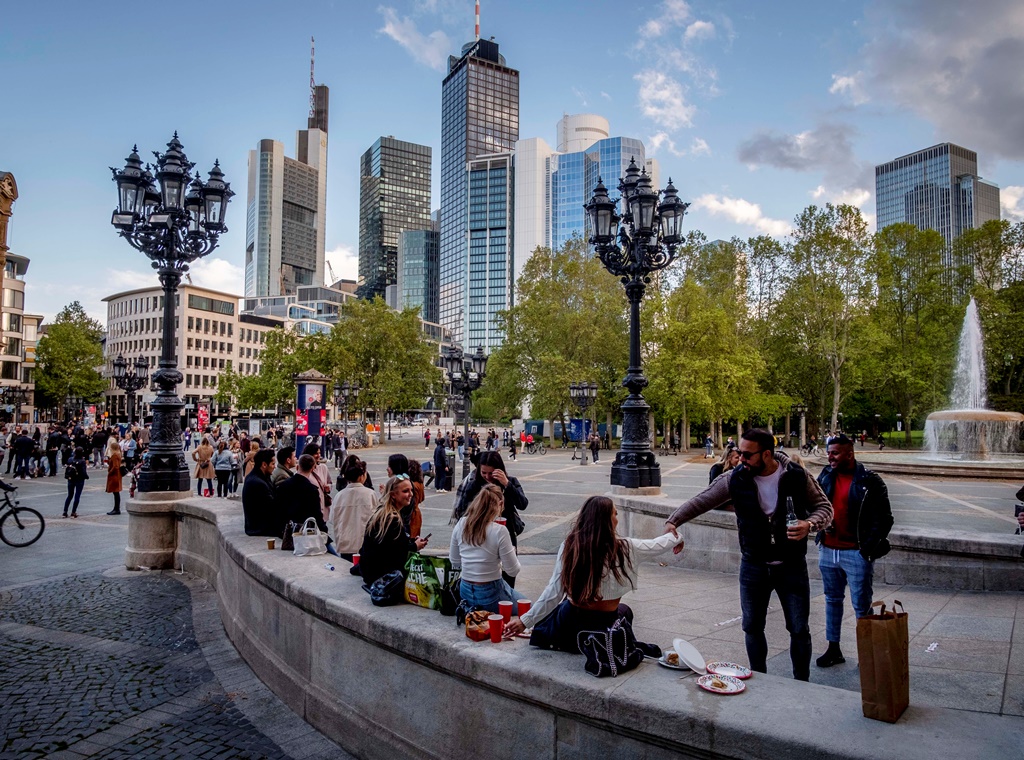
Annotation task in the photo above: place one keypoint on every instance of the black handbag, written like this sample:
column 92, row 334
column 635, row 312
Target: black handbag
column 516, row 524
column 612, row 651
column 287, row 542
column 387, row 590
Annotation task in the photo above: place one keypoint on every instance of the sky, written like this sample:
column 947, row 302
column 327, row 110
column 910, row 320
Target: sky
column 754, row 109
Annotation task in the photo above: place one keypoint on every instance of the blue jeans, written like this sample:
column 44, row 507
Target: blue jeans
column 486, row 596
column 839, row 567
column 74, row 491
column 789, row 581
column 21, row 466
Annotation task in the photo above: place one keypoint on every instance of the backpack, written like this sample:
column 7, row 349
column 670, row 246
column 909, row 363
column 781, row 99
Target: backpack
column 70, row 471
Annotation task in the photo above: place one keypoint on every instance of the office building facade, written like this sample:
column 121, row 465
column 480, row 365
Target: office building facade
column 286, row 209
column 552, row 185
column 937, row 188
column 418, row 282
column 479, row 117
column 394, row 196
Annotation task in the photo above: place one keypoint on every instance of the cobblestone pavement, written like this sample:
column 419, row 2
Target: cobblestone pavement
column 112, row 664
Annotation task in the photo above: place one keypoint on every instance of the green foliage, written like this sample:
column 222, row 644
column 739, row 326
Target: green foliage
column 67, row 358
column 569, row 324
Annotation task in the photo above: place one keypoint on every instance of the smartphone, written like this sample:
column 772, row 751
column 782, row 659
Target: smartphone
column 427, row 536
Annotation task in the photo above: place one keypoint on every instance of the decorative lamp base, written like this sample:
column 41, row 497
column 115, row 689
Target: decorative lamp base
column 636, row 469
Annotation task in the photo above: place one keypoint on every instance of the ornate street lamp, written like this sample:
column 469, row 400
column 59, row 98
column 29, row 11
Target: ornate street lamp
column 174, row 219
column 342, row 393
column 131, row 377
column 801, row 409
column 583, row 395
column 464, row 375
column 645, row 242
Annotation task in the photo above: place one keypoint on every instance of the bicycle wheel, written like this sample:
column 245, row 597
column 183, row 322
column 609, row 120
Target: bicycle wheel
column 21, row 526
column 542, row 449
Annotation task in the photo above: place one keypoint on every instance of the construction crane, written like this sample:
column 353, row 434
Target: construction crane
column 330, row 271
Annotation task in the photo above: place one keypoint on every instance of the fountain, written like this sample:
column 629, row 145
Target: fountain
column 970, row 432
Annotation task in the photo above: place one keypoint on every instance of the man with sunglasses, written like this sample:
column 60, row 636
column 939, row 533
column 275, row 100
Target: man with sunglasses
column 773, row 555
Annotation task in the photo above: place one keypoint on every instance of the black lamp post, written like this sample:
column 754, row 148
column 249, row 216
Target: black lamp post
column 15, row 395
column 801, row 409
column 465, row 376
column 645, row 243
column 583, row 395
column 174, row 220
column 342, row 393
column 131, row 378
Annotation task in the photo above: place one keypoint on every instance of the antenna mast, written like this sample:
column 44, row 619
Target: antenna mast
column 312, row 79
column 478, row 19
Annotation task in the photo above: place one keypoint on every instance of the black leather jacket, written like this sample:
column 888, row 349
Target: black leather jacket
column 869, row 510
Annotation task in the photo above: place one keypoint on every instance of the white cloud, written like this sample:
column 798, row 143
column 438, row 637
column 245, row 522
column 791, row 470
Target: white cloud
column 605, row 95
column 129, row 279
column 663, row 101
column 661, row 140
column 430, row 49
column 1012, row 200
column 742, row 212
column 580, row 95
column 851, row 86
column 699, row 30
column 218, row 274
column 699, row 147
column 344, row 260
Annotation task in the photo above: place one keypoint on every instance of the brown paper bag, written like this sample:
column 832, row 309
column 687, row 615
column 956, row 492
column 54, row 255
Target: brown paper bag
column 883, row 649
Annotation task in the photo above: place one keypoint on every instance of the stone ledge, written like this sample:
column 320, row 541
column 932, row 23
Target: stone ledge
column 290, row 619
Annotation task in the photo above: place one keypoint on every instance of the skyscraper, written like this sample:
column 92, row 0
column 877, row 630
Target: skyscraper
column 418, row 275
column 937, row 188
column 553, row 184
column 286, row 209
column 479, row 117
column 394, row 195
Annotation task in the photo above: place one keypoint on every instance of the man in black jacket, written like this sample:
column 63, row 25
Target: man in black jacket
column 857, row 537
column 773, row 552
column 23, row 448
column 263, row 515
column 301, row 499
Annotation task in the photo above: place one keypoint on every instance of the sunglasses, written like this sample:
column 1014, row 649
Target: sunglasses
column 401, row 477
column 750, row 454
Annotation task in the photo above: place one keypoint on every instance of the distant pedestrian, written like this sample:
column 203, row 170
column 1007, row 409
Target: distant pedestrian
column 76, row 473
column 442, row 469
column 709, row 447
column 114, row 481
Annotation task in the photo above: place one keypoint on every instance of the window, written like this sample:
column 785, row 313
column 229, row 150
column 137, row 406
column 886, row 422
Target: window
column 190, row 323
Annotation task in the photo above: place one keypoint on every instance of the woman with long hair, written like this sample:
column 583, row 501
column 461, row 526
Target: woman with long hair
column 248, row 462
column 490, row 470
column 483, row 549
column 386, row 543
column 730, row 458
column 203, row 457
column 223, row 466
column 352, row 509
column 594, row 569
column 114, row 483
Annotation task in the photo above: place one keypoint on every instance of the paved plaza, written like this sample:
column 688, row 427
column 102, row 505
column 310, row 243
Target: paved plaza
column 100, row 662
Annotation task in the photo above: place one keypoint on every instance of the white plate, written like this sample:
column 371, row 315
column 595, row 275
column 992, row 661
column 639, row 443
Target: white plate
column 732, row 685
column 729, row 669
column 689, row 655
column 664, row 664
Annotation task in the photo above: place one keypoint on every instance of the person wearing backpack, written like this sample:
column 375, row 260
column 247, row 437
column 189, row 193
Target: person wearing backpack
column 76, row 473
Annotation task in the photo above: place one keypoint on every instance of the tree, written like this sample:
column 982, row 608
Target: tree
column 914, row 321
column 68, row 357
column 569, row 323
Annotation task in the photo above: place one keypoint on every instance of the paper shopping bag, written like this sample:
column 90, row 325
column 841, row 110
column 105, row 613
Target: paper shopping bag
column 883, row 650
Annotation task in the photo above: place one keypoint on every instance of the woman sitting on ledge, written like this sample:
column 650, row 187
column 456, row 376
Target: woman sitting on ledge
column 483, row 549
column 386, row 544
column 594, row 569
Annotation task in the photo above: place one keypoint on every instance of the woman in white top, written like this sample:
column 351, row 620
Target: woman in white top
column 483, row 549
column 594, row 569
column 352, row 509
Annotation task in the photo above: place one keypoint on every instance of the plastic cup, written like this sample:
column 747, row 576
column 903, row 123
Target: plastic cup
column 524, row 606
column 355, row 560
column 505, row 608
column 270, row 543
column 495, row 624
column 501, row 521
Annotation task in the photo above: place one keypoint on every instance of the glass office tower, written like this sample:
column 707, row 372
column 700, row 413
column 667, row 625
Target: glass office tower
column 418, row 273
column 479, row 116
column 937, row 189
column 394, row 196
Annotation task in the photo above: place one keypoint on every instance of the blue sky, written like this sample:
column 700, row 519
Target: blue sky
column 754, row 109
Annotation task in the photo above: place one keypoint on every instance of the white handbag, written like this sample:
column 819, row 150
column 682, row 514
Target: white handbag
column 309, row 541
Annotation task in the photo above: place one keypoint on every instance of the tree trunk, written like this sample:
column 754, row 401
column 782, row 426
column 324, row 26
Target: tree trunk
column 836, row 387
column 610, row 428
column 684, row 429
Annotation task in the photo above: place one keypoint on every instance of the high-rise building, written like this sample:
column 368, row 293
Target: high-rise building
column 394, row 195
column 418, row 276
column 937, row 188
column 553, row 184
column 479, row 117
column 286, row 209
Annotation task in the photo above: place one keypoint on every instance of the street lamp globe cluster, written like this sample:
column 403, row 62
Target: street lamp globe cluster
column 173, row 218
column 583, row 396
column 342, row 393
column 632, row 246
column 464, row 376
column 131, row 377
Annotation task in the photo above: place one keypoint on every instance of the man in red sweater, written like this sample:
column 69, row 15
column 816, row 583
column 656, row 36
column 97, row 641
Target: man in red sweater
column 861, row 520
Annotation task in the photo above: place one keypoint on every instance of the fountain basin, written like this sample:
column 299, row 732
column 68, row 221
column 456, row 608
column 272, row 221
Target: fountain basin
column 973, row 435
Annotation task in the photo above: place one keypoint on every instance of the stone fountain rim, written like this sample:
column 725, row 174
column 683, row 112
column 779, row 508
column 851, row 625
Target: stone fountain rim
column 975, row 415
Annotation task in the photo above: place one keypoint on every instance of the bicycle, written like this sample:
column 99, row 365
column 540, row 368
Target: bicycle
column 536, row 448
column 19, row 526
